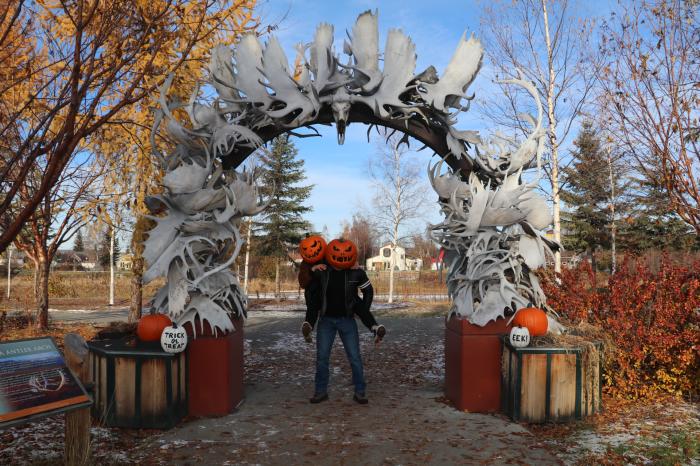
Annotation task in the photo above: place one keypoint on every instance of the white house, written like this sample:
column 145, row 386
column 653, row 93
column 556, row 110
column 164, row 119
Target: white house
column 384, row 260
column 125, row 262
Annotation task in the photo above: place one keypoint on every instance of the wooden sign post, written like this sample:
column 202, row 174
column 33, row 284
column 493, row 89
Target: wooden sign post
column 35, row 383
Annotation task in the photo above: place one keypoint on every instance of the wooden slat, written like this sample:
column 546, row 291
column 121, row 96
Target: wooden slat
column 124, row 388
column 563, row 386
column 532, row 394
column 153, row 396
column 513, row 377
column 102, row 364
column 173, row 377
column 182, row 370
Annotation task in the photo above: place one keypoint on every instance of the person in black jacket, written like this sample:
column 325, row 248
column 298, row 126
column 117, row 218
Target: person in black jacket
column 333, row 300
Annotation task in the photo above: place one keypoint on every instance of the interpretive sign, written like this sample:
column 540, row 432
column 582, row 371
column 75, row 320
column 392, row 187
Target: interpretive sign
column 35, row 382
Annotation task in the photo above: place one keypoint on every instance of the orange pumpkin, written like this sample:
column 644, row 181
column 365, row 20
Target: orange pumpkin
column 151, row 327
column 312, row 248
column 534, row 319
column 341, row 253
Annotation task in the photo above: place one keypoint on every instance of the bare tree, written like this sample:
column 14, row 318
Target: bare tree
column 363, row 233
column 550, row 46
column 54, row 223
column 424, row 248
column 399, row 191
column 651, row 92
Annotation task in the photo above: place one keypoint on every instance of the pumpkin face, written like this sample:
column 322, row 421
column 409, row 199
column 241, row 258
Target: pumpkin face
column 173, row 339
column 534, row 319
column 519, row 337
column 341, row 253
column 150, row 327
column 312, row 248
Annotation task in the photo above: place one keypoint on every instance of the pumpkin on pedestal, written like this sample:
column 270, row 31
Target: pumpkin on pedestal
column 534, row 319
column 173, row 339
column 312, row 249
column 519, row 337
column 150, row 327
column 341, row 253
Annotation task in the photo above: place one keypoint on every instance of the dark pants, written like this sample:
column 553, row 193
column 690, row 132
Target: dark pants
column 325, row 335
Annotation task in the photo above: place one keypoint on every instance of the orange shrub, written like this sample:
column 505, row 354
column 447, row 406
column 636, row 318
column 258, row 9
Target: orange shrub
column 652, row 317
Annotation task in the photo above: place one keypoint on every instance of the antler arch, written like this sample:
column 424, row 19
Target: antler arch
column 491, row 218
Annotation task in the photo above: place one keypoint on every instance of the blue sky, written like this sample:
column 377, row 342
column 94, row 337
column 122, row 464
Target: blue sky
column 339, row 173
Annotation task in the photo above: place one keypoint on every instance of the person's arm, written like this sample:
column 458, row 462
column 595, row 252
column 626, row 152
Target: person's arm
column 311, row 308
column 312, row 293
column 305, row 275
column 363, row 309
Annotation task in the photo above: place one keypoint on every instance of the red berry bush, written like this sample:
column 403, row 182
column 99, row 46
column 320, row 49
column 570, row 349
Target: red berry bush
column 652, row 316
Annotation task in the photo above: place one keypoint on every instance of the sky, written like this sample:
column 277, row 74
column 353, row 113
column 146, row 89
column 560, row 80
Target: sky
column 339, row 173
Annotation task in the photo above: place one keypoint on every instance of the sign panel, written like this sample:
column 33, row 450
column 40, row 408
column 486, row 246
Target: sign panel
column 34, row 380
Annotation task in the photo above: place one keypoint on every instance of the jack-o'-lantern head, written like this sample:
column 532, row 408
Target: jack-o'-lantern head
column 341, row 253
column 312, row 248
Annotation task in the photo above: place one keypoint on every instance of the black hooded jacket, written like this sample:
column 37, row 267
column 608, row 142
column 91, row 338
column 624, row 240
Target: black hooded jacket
column 356, row 280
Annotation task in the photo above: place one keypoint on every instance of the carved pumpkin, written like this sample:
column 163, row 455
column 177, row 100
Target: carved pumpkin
column 534, row 319
column 312, row 248
column 173, row 339
column 341, row 253
column 151, row 326
column 519, row 337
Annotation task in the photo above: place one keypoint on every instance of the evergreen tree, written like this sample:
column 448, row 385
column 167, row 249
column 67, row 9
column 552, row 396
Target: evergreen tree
column 652, row 223
column 103, row 253
column 79, row 244
column 588, row 218
column 282, row 225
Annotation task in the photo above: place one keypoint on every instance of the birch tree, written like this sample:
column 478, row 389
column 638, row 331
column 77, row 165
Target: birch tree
column 546, row 43
column 400, row 193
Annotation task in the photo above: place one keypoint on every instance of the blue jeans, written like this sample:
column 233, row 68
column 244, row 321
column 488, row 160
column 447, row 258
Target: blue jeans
column 325, row 335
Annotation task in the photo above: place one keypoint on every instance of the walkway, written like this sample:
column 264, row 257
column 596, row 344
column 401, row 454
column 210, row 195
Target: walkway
column 406, row 421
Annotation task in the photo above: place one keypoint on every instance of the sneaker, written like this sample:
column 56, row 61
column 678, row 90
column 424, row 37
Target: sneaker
column 306, row 330
column 381, row 331
column 319, row 397
column 360, row 398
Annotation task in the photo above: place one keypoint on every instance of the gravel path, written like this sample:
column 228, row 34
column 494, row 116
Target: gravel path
column 406, row 421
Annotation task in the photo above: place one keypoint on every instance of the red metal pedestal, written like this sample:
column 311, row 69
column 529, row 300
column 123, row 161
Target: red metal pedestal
column 473, row 364
column 215, row 372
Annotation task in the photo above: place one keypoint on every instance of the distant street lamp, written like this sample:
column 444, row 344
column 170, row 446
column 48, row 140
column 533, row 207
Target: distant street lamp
column 9, row 270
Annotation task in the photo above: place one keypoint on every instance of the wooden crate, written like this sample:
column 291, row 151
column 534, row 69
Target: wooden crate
column 137, row 386
column 550, row 384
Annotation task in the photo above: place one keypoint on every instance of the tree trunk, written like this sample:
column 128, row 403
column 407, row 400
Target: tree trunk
column 135, row 306
column 392, row 264
column 9, row 271
column 612, row 215
column 247, row 256
column 42, row 293
column 553, row 143
column 277, row 278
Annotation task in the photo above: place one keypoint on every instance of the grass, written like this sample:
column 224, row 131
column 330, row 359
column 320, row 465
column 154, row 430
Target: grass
column 665, row 449
column 73, row 289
